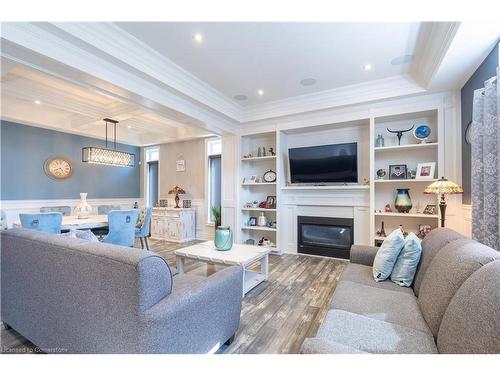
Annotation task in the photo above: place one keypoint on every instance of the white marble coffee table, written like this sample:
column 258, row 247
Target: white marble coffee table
column 239, row 255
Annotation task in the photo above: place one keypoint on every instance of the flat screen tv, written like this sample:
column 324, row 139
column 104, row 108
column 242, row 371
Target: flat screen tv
column 324, row 164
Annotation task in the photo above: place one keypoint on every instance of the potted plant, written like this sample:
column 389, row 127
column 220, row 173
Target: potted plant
column 216, row 212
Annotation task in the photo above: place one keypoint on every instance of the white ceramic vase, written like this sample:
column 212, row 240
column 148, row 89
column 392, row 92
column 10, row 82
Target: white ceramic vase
column 262, row 221
column 83, row 209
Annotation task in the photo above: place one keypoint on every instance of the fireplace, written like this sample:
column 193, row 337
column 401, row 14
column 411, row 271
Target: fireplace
column 326, row 236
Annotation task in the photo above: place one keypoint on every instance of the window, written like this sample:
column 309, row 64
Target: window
column 152, row 156
column 214, row 176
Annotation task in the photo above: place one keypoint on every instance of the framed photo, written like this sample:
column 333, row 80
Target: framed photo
column 430, row 209
column 397, row 172
column 271, row 201
column 425, row 171
column 180, row 165
column 252, row 221
column 250, row 179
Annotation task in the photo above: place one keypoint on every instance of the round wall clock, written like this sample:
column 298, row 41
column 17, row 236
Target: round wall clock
column 58, row 168
column 270, row 176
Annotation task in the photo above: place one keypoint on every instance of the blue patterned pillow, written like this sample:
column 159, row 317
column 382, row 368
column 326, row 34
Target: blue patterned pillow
column 387, row 255
column 407, row 262
column 81, row 234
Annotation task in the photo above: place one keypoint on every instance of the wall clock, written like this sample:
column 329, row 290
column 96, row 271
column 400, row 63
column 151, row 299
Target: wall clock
column 270, row 176
column 58, row 168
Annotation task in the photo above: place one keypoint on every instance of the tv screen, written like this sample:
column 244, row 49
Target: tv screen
column 324, row 164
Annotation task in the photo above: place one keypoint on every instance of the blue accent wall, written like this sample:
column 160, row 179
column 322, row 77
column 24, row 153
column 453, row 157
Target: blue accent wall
column 24, row 150
column 485, row 71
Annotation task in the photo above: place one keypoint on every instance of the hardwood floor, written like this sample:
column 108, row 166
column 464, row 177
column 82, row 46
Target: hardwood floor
column 276, row 316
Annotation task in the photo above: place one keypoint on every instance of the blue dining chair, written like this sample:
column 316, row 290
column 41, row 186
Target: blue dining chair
column 45, row 222
column 144, row 225
column 65, row 210
column 104, row 209
column 121, row 225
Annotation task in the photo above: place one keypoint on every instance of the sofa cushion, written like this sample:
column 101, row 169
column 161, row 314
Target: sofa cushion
column 313, row 345
column 372, row 335
column 446, row 273
column 407, row 262
column 361, row 274
column 387, row 255
column 471, row 323
column 431, row 245
column 380, row 304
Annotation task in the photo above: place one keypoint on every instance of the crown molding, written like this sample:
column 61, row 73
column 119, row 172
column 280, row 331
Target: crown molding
column 107, row 59
column 433, row 42
column 396, row 86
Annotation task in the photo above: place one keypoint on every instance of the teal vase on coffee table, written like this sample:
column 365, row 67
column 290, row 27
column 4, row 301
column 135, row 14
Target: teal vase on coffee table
column 223, row 238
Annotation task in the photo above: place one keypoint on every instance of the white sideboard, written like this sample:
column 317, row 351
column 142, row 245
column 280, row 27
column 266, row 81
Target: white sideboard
column 173, row 224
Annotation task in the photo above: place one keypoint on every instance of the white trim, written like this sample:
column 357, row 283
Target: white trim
column 434, row 40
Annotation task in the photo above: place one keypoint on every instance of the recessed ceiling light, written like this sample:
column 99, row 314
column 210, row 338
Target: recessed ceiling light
column 37, row 102
column 198, row 38
column 367, row 67
column 260, row 92
column 240, row 97
column 308, row 81
column 401, row 60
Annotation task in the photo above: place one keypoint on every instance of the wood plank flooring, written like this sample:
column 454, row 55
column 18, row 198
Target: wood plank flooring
column 276, row 316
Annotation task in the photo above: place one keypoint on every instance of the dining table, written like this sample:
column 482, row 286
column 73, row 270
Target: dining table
column 73, row 222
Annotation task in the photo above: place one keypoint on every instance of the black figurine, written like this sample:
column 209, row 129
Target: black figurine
column 271, row 151
column 399, row 133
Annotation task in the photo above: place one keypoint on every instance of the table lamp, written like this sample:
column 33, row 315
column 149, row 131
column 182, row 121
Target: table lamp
column 442, row 187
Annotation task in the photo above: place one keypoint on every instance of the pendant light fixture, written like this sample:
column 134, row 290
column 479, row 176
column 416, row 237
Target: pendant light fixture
column 106, row 156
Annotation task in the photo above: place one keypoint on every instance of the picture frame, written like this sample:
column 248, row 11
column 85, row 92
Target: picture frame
column 252, row 179
column 180, row 165
column 252, row 221
column 425, row 171
column 430, row 209
column 423, row 230
column 398, row 172
column 271, row 201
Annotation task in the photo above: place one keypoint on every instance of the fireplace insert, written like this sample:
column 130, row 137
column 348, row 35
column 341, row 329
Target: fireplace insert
column 326, row 236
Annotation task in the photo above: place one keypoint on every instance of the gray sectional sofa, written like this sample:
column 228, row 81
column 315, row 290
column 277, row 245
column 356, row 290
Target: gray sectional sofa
column 452, row 307
column 73, row 296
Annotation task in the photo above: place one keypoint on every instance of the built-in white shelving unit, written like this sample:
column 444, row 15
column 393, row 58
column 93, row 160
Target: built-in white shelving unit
column 410, row 152
column 258, row 191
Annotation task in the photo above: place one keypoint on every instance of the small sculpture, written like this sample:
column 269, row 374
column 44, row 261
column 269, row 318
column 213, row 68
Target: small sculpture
column 381, row 232
column 259, row 153
column 399, row 133
column 264, row 151
column 387, row 208
column 271, row 152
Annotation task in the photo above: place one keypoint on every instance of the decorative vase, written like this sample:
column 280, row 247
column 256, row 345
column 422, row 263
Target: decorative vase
column 83, row 209
column 262, row 221
column 379, row 142
column 223, row 238
column 403, row 201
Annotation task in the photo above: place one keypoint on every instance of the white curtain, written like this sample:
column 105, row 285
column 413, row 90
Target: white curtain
column 485, row 144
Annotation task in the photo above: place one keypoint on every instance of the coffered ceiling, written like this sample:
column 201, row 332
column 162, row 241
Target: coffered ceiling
column 32, row 97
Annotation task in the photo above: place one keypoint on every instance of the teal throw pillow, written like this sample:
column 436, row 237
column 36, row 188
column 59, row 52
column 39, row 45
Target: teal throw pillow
column 387, row 255
column 407, row 262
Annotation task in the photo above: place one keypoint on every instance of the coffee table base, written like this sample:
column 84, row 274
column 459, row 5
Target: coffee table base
column 250, row 278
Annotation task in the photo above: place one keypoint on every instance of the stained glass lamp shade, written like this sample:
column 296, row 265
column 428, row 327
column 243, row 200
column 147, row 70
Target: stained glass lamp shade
column 442, row 187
